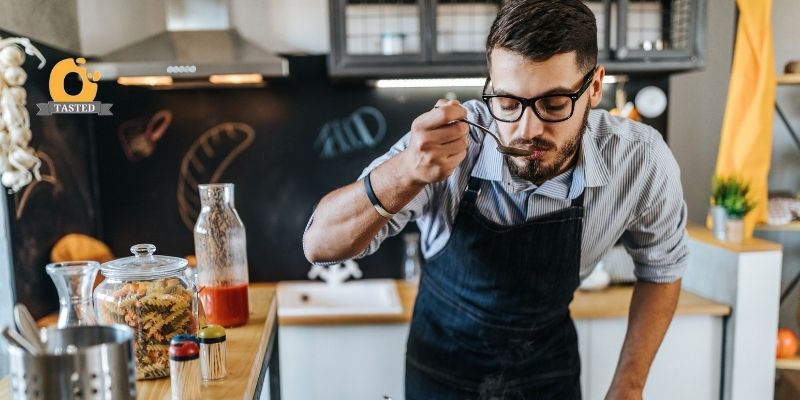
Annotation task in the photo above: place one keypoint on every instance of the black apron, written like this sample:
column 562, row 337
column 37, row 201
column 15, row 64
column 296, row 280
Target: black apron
column 491, row 319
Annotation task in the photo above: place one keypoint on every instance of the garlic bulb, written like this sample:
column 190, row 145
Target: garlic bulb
column 15, row 76
column 20, row 136
column 15, row 179
column 11, row 56
column 22, row 158
column 17, row 158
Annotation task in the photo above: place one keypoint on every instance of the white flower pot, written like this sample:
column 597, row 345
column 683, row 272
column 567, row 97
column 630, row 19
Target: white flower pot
column 734, row 230
column 718, row 218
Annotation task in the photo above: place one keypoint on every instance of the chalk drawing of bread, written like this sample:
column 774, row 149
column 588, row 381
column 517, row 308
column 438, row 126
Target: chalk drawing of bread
column 206, row 161
column 49, row 177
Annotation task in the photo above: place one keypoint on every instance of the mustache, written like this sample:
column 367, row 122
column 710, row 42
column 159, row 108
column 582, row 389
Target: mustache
column 538, row 143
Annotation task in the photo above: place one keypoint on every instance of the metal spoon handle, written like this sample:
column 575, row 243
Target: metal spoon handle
column 27, row 325
column 508, row 150
column 14, row 338
column 485, row 129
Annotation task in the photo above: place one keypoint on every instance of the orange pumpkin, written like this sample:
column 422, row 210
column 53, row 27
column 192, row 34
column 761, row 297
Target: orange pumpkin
column 787, row 343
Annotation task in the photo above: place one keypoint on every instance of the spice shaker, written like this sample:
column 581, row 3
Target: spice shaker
column 184, row 367
column 213, row 363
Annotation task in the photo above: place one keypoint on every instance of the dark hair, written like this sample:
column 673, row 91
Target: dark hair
column 540, row 29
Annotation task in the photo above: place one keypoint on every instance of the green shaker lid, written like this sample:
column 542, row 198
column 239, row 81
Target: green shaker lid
column 211, row 334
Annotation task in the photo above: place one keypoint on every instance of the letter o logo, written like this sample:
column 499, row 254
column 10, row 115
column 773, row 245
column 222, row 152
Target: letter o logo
column 59, row 74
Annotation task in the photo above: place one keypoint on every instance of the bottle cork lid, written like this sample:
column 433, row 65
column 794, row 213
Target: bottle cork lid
column 211, row 334
column 184, row 351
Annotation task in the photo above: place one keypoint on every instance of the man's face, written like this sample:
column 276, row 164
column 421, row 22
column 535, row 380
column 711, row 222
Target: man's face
column 554, row 144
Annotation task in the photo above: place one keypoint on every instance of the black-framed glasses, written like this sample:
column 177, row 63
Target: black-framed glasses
column 554, row 107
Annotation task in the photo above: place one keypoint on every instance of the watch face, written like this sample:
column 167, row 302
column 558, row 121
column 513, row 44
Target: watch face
column 651, row 102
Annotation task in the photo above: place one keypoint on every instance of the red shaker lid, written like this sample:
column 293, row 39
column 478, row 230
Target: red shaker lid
column 182, row 351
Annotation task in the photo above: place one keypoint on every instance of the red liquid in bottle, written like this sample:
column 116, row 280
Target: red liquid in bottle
column 225, row 305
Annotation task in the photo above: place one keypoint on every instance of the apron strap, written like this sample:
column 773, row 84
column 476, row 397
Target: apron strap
column 471, row 193
column 578, row 201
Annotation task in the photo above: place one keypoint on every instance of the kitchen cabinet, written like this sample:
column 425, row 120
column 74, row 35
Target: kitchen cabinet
column 419, row 38
column 362, row 359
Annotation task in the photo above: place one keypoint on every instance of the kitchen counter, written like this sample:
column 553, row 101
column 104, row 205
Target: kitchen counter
column 358, row 357
column 251, row 349
column 611, row 302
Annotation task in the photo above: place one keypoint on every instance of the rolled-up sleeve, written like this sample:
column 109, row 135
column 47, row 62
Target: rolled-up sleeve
column 656, row 237
column 410, row 212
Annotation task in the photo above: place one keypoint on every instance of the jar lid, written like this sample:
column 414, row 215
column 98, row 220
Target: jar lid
column 144, row 264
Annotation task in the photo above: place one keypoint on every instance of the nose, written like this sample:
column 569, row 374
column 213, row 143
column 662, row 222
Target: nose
column 529, row 125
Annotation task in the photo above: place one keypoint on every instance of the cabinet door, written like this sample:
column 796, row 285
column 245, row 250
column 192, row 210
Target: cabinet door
column 659, row 29
column 376, row 32
column 459, row 29
column 606, row 17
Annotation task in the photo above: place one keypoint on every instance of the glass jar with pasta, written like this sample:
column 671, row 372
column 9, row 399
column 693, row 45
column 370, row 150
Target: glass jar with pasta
column 150, row 294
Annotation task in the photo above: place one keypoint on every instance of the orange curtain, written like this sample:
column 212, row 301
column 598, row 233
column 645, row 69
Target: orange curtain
column 746, row 142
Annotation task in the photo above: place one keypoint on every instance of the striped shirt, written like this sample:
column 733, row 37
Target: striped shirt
column 632, row 184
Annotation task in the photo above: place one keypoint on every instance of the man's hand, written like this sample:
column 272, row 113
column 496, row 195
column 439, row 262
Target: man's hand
column 436, row 147
column 616, row 393
column 652, row 308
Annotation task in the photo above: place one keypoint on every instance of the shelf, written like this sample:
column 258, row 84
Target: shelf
column 792, row 226
column 789, row 79
column 788, row 363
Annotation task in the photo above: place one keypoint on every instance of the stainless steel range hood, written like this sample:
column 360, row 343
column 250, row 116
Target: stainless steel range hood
column 199, row 48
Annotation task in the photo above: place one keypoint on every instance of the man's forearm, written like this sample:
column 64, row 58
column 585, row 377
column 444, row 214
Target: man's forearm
column 345, row 221
column 652, row 308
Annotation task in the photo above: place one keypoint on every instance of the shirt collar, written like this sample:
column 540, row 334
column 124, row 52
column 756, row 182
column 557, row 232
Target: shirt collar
column 596, row 168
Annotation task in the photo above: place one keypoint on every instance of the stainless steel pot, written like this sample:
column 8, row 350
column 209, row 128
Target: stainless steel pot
column 80, row 363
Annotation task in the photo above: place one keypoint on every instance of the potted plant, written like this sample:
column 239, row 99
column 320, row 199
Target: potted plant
column 730, row 193
column 716, row 211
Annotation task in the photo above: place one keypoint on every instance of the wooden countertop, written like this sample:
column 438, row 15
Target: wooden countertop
column 702, row 234
column 247, row 347
column 611, row 302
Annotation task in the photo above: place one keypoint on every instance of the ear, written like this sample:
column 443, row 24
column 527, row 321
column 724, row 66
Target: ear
column 596, row 89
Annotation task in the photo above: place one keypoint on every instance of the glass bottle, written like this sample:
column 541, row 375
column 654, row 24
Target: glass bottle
column 412, row 263
column 74, row 281
column 221, row 250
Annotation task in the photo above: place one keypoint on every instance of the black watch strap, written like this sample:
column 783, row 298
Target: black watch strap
column 374, row 199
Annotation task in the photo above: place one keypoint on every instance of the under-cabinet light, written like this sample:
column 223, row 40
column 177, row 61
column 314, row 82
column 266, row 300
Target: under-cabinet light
column 457, row 82
column 235, row 79
column 420, row 83
column 157, row 80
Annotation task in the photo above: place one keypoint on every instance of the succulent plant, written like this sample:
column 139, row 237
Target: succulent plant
column 731, row 193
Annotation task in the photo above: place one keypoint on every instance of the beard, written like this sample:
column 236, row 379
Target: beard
column 538, row 171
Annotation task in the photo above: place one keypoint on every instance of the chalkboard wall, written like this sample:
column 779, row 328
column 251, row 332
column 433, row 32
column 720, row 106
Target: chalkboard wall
column 64, row 201
column 296, row 140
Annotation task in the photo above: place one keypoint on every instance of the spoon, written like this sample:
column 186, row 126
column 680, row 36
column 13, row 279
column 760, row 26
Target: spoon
column 503, row 149
column 14, row 338
column 27, row 325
